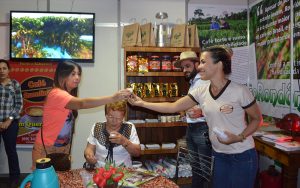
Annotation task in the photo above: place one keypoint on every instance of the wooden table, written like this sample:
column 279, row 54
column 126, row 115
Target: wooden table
column 72, row 179
column 290, row 160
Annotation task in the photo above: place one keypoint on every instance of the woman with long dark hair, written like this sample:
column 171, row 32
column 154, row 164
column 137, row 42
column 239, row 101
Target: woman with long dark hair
column 60, row 110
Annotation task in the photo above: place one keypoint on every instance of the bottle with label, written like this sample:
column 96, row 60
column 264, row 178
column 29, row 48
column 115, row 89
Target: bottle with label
column 173, row 90
column 166, row 64
column 174, row 59
column 154, row 63
column 164, row 89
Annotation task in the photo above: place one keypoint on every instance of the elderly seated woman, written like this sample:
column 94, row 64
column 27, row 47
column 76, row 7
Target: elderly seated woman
column 113, row 140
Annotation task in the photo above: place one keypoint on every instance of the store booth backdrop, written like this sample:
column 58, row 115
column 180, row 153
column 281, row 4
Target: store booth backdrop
column 108, row 54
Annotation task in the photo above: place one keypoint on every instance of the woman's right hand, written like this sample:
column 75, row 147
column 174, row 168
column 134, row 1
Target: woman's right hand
column 135, row 100
column 90, row 157
column 122, row 94
column 194, row 112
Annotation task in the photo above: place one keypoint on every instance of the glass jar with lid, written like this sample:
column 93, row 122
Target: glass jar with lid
column 174, row 59
column 166, row 63
column 154, row 63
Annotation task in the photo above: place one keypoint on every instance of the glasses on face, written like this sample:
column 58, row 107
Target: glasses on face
column 116, row 118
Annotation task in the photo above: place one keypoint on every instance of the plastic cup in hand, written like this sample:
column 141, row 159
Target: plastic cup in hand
column 86, row 178
column 112, row 135
column 190, row 115
column 130, row 89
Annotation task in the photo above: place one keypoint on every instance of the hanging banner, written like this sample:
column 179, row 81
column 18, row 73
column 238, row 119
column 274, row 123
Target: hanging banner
column 224, row 25
column 270, row 45
column 36, row 80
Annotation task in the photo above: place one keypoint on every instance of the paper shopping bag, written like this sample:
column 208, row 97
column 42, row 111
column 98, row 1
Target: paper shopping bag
column 193, row 36
column 180, row 36
column 131, row 35
column 147, row 35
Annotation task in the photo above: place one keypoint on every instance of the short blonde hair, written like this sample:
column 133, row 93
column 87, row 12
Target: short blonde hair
column 116, row 106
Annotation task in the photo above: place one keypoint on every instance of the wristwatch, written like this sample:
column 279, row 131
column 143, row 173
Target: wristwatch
column 11, row 118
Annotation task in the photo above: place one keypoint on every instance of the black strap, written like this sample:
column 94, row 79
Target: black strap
column 110, row 154
column 102, row 135
column 109, row 146
column 70, row 139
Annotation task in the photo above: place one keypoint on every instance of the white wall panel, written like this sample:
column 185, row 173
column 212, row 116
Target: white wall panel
column 106, row 10
column 140, row 9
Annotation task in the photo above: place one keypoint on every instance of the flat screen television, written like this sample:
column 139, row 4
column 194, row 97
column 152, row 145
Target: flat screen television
column 52, row 36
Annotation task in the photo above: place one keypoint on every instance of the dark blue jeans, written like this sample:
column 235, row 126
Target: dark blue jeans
column 235, row 170
column 10, row 141
column 198, row 142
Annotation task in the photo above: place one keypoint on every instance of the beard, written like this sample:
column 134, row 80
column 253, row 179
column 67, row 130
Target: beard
column 192, row 75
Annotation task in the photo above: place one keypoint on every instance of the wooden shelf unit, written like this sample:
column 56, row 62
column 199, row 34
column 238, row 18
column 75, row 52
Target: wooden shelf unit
column 155, row 74
column 160, row 49
column 161, row 99
column 159, row 151
column 160, row 124
column 157, row 133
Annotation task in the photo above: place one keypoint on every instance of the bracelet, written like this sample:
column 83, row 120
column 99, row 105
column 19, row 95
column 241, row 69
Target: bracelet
column 243, row 137
column 125, row 145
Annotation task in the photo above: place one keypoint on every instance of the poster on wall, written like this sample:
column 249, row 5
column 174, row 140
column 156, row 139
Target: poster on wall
column 270, row 45
column 296, row 78
column 36, row 80
column 219, row 24
column 224, row 25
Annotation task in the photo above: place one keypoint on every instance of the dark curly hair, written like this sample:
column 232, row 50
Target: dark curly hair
column 223, row 54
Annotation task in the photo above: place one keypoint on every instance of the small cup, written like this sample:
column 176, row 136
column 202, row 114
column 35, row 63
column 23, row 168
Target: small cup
column 177, row 117
column 130, row 89
column 86, row 178
column 163, row 119
column 169, row 118
column 136, row 164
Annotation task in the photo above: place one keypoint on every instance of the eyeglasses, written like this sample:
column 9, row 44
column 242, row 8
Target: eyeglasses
column 116, row 118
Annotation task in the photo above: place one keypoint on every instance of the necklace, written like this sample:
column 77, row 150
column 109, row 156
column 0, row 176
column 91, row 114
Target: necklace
column 217, row 89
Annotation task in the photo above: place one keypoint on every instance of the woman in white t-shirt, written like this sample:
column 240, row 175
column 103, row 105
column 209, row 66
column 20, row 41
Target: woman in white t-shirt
column 225, row 105
column 113, row 140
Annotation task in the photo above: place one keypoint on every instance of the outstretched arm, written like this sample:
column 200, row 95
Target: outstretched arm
column 83, row 103
column 181, row 104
